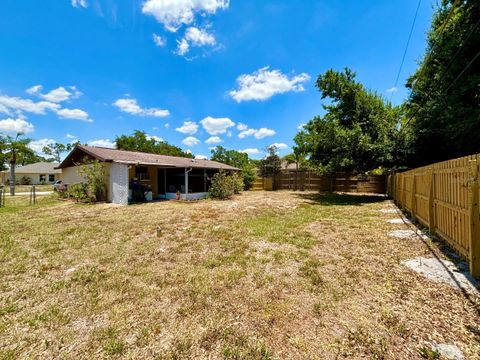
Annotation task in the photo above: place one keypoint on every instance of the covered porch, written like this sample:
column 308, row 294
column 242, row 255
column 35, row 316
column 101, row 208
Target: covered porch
column 160, row 182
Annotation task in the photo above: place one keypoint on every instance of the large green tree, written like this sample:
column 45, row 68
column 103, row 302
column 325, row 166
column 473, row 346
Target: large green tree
column 359, row 131
column 271, row 164
column 444, row 103
column 55, row 151
column 139, row 141
column 237, row 159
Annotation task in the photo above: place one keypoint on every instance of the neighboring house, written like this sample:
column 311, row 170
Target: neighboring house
column 39, row 173
column 163, row 175
column 289, row 166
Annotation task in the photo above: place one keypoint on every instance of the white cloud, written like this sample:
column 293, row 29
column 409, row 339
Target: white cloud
column 154, row 137
column 160, row 41
column 70, row 137
column 131, row 106
column 38, row 145
column 167, row 125
column 213, row 140
column 216, row 126
column 34, row 89
column 56, row 95
column 199, row 37
column 251, row 151
column 79, row 3
column 279, row 146
column 201, row 157
column 392, row 90
column 301, row 126
column 258, row 134
column 190, row 141
column 175, row 13
column 102, row 143
column 263, row 84
column 74, row 114
column 188, row 127
column 264, row 132
column 194, row 37
column 183, row 47
column 247, row 132
column 27, row 105
column 241, row 127
column 16, row 126
column 4, row 110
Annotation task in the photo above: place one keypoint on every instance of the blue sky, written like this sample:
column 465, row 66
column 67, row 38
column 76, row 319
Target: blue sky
column 195, row 73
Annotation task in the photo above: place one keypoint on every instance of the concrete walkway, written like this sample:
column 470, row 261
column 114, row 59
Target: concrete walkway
column 28, row 194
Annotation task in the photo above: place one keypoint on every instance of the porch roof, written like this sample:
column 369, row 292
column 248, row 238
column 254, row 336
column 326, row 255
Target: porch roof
column 140, row 158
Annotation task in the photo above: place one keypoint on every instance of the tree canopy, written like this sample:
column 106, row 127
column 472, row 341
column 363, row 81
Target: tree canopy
column 444, row 102
column 139, row 141
column 55, row 151
column 359, row 131
column 271, row 164
column 237, row 159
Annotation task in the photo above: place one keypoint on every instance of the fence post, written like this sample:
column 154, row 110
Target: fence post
column 474, row 255
column 431, row 202
column 414, row 201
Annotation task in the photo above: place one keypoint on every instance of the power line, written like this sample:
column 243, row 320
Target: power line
column 453, row 82
column 434, row 45
column 406, row 47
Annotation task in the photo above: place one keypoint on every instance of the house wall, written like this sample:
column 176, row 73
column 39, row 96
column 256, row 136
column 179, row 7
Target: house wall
column 118, row 175
column 35, row 178
column 70, row 175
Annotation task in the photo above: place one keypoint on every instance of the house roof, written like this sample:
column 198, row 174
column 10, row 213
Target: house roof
column 139, row 158
column 288, row 166
column 38, row 168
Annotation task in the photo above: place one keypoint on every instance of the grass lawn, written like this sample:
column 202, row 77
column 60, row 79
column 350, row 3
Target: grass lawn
column 268, row 275
column 26, row 188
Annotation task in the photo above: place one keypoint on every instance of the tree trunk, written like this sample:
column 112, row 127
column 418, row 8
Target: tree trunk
column 12, row 174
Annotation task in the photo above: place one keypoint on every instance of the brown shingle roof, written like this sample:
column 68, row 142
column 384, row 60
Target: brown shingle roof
column 140, row 158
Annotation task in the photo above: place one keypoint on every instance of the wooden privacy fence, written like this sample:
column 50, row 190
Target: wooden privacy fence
column 308, row 180
column 445, row 198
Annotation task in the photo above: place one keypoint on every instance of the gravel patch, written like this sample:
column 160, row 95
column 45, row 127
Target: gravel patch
column 448, row 351
column 399, row 221
column 443, row 271
column 407, row 234
column 388, row 211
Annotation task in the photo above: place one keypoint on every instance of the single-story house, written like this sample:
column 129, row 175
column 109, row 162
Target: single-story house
column 38, row 173
column 163, row 176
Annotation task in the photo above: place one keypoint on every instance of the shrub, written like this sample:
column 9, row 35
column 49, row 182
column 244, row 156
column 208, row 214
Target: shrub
column 25, row 180
column 78, row 191
column 249, row 174
column 222, row 186
column 94, row 175
column 237, row 183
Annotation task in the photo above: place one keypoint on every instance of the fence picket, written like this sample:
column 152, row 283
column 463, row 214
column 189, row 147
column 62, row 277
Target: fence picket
column 447, row 195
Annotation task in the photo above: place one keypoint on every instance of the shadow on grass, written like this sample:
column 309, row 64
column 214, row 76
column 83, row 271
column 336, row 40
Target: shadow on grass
column 339, row 199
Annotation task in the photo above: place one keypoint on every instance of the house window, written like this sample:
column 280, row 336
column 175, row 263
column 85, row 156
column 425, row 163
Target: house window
column 141, row 173
column 51, row 177
column 43, row 178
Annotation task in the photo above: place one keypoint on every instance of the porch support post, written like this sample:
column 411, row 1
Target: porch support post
column 204, row 180
column 186, row 183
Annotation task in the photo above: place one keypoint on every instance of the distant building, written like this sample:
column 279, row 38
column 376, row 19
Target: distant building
column 38, row 173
